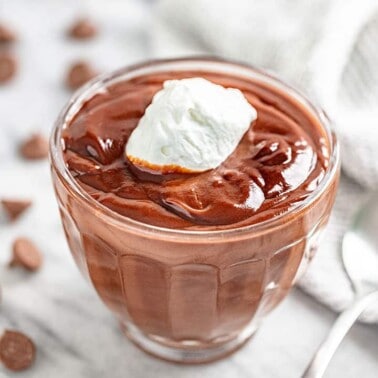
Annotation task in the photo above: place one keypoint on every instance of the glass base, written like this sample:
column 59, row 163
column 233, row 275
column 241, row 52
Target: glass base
column 186, row 352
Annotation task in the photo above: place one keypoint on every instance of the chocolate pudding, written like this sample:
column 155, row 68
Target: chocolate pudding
column 278, row 163
column 191, row 262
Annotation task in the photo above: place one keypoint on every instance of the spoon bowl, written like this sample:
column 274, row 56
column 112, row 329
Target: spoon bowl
column 360, row 248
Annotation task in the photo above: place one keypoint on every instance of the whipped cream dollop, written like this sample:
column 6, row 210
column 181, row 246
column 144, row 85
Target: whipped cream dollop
column 191, row 125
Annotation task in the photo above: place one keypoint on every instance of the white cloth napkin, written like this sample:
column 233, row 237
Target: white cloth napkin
column 329, row 48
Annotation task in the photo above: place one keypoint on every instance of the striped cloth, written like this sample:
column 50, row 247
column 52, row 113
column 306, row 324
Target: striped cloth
column 329, row 48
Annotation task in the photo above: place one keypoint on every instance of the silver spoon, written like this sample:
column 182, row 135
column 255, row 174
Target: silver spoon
column 360, row 259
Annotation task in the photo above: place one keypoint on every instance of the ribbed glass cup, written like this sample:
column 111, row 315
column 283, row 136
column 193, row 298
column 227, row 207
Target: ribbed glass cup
column 189, row 296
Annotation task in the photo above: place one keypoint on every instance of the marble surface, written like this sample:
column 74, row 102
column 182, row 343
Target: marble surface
column 74, row 333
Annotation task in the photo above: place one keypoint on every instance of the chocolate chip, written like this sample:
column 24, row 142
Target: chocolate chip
column 8, row 66
column 17, row 351
column 6, row 35
column 82, row 29
column 14, row 208
column 26, row 254
column 35, row 147
column 78, row 74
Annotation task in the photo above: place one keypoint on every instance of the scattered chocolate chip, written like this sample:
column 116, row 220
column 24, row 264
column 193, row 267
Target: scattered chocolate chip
column 26, row 254
column 78, row 74
column 35, row 147
column 6, row 35
column 82, row 29
column 14, row 208
column 17, row 351
column 8, row 66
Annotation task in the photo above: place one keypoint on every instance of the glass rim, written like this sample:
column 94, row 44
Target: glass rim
column 203, row 63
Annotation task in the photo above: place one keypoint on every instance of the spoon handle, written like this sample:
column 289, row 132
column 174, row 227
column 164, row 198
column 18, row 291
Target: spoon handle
column 343, row 323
